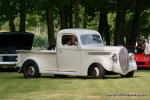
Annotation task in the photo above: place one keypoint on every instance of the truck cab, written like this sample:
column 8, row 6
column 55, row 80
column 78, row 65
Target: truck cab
column 79, row 52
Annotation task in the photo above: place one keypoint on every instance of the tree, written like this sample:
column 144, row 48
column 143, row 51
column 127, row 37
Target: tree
column 102, row 7
column 47, row 6
column 138, row 9
column 65, row 13
column 120, row 22
column 22, row 11
column 1, row 14
column 64, row 17
column 94, row 15
column 70, row 16
column 50, row 25
column 9, row 11
column 135, row 31
column 103, row 21
column 88, row 11
column 77, row 18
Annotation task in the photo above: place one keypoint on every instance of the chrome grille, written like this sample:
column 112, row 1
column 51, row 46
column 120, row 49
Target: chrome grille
column 124, row 59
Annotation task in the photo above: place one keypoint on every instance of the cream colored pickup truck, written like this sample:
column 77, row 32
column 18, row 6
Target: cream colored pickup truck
column 79, row 52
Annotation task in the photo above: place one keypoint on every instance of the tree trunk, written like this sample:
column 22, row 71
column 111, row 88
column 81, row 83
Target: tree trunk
column 103, row 26
column 120, row 22
column 64, row 17
column 77, row 18
column 135, row 31
column 50, row 26
column 85, row 17
column 11, row 24
column 70, row 17
column 9, row 15
column 22, row 15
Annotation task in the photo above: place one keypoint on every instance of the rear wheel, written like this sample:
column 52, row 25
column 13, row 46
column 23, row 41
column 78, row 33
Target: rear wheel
column 30, row 69
column 130, row 74
column 97, row 71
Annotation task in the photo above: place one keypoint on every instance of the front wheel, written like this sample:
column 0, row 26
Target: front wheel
column 130, row 74
column 97, row 71
column 30, row 69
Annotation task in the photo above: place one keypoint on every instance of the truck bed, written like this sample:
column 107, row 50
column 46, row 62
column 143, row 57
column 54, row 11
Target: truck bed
column 46, row 56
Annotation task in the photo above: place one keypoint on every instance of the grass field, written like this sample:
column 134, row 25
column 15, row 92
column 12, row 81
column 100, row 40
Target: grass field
column 14, row 87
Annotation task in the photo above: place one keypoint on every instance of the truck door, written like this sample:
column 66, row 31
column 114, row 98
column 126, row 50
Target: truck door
column 68, row 55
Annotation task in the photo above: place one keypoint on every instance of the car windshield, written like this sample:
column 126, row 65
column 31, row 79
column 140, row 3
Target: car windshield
column 91, row 39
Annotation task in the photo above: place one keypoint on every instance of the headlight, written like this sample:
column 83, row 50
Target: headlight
column 114, row 57
column 131, row 56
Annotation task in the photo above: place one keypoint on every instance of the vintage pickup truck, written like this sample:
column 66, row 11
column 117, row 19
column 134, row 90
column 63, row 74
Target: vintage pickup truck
column 79, row 52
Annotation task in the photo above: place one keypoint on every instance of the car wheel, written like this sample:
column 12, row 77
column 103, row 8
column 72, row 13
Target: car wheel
column 130, row 74
column 30, row 69
column 97, row 71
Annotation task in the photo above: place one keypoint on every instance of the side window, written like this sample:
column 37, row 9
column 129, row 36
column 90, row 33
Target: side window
column 69, row 40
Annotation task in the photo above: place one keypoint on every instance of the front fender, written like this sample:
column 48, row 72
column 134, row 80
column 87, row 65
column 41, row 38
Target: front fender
column 132, row 66
column 105, row 62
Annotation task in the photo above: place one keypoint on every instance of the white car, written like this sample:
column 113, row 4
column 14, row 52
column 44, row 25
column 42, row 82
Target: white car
column 79, row 52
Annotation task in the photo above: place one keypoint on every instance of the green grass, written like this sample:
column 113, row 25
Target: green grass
column 14, row 87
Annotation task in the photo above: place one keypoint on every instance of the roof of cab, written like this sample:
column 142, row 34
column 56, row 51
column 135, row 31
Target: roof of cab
column 77, row 31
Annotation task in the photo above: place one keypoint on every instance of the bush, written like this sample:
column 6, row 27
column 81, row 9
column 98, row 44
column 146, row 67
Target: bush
column 40, row 41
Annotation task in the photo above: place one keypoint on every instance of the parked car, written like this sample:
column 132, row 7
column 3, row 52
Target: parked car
column 78, row 52
column 142, row 59
column 9, row 43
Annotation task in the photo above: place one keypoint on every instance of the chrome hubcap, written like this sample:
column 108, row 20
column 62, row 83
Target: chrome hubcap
column 96, row 71
column 31, row 70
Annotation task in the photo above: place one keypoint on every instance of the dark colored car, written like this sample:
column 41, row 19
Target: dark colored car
column 9, row 43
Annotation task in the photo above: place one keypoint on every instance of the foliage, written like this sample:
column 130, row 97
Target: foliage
column 145, row 23
column 40, row 41
column 37, row 22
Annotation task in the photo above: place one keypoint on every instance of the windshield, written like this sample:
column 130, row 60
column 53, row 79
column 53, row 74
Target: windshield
column 91, row 39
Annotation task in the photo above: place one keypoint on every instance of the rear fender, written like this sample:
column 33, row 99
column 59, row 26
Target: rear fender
column 30, row 58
